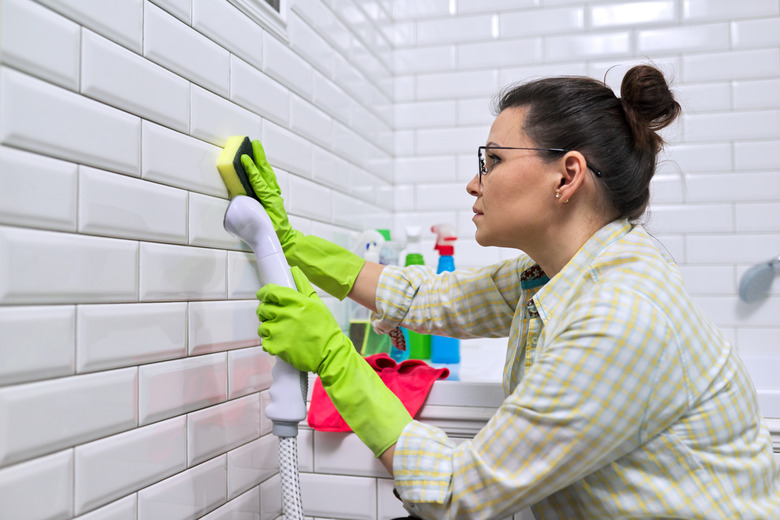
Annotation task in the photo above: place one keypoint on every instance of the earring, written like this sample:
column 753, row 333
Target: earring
column 557, row 194
column 565, row 201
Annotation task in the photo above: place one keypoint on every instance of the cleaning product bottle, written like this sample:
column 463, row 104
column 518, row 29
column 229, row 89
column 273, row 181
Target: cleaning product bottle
column 444, row 349
column 419, row 345
column 363, row 336
column 388, row 255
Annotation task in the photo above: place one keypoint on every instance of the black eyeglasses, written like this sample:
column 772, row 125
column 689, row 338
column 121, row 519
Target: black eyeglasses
column 483, row 167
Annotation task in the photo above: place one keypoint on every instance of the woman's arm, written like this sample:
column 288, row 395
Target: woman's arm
column 364, row 289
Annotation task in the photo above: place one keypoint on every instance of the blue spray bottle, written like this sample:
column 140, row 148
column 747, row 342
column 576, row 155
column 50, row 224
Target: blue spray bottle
column 444, row 349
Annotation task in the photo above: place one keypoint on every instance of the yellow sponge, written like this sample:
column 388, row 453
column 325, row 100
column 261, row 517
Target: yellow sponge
column 229, row 166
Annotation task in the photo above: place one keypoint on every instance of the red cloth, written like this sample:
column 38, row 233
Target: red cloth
column 411, row 381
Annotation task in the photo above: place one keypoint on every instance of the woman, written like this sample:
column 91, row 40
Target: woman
column 623, row 400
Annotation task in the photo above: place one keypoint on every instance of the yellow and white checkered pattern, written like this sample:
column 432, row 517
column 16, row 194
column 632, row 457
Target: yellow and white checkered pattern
column 623, row 399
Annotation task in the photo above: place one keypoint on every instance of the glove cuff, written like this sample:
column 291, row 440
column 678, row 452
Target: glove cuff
column 327, row 265
column 370, row 409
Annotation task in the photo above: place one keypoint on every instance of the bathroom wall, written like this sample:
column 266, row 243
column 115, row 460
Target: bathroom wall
column 716, row 197
column 131, row 380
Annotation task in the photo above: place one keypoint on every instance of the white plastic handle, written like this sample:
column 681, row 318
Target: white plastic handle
column 246, row 219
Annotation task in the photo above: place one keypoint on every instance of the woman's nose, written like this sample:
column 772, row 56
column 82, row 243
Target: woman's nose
column 473, row 187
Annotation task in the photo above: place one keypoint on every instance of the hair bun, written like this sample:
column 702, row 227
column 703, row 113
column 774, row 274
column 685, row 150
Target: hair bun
column 648, row 103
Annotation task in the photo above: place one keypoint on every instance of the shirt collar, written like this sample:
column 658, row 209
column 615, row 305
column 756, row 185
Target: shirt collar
column 570, row 277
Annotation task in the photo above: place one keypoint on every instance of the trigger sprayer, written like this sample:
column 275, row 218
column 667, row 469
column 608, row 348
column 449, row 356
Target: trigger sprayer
column 445, row 349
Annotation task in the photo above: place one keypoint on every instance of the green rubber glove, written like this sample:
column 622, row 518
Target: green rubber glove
column 299, row 328
column 328, row 265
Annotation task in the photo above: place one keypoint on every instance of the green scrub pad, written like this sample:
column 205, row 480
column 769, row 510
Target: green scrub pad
column 229, row 166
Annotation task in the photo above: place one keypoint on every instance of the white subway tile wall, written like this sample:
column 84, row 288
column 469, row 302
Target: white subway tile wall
column 132, row 382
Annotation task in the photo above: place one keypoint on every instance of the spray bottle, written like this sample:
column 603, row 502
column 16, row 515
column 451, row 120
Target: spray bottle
column 419, row 344
column 444, row 349
column 367, row 342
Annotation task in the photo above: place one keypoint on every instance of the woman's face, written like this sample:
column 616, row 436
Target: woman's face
column 513, row 204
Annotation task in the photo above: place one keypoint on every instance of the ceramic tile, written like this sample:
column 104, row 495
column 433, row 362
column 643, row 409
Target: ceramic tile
column 525, row 73
column 47, row 416
column 746, row 248
column 287, row 67
column 442, row 197
column 758, row 155
column 310, row 122
column 309, row 199
column 181, row 9
column 344, row 454
column 656, row 12
column 54, row 58
column 496, row 54
column 448, row 85
column 124, row 509
column 699, row 279
column 38, row 342
column 287, row 150
column 335, row 496
column 190, row 494
column 245, row 507
column 271, row 498
column 723, row 9
column 758, row 341
column 332, row 170
column 760, row 94
column 733, row 65
column 331, row 98
column 134, row 84
column 755, row 33
column 454, row 29
column 764, row 124
column 710, row 218
column 46, row 199
column 249, row 370
column 757, row 217
column 206, row 223
column 426, row 114
column 228, row 26
column 306, row 448
column 474, row 112
column 215, row 119
column 23, row 485
column 108, row 206
column 742, row 187
column 178, row 48
column 251, row 464
column 176, row 387
column 265, row 423
column 76, row 128
column 587, row 46
column 684, row 39
column 695, row 157
column 430, row 168
column 326, row 23
column 667, row 189
column 310, row 44
column 178, row 160
column 388, row 505
column 221, row 428
column 171, row 272
column 218, row 326
column 111, row 468
column 412, row 9
column 351, row 145
column 446, row 141
column 349, row 212
column 704, row 97
column 99, row 269
column 246, row 85
column 243, row 275
column 116, row 335
column 542, row 22
column 121, row 23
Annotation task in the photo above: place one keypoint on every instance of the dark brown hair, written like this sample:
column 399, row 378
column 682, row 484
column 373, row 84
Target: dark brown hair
column 618, row 136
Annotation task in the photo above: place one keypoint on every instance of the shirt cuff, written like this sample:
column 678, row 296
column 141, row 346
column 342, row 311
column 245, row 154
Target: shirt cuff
column 422, row 465
column 396, row 288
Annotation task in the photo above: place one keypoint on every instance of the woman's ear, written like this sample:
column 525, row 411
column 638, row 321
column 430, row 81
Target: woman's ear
column 573, row 174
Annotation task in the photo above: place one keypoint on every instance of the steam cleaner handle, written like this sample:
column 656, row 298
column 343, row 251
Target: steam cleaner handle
column 246, row 219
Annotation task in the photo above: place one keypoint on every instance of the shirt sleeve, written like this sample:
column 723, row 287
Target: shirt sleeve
column 583, row 404
column 463, row 303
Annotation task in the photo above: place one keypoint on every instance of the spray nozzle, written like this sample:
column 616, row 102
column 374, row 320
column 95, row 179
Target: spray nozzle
column 445, row 239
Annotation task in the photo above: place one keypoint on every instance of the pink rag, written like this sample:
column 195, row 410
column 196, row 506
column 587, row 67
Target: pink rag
column 411, row 381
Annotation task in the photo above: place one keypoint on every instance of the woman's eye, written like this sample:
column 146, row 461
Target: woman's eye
column 492, row 161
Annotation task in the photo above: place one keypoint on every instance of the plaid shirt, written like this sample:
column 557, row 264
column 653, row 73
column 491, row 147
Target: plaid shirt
column 623, row 399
